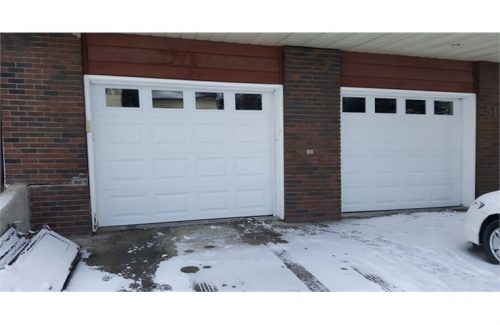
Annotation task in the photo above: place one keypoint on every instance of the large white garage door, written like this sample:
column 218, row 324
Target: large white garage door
column 400, row 152
column 170, row 153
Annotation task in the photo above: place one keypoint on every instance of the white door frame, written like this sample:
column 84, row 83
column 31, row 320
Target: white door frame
column 468, row 104
column 277, row 90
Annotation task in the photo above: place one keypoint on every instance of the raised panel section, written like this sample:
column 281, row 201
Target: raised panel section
column 171, row 202
column 168, row 133
column 246, row 199
column 206, row 167
column 210, row 134
column 251, row 166
column 169, row 168
column 212, row 201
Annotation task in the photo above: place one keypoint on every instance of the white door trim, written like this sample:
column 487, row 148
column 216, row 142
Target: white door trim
column 468, row 102
column 277, row 90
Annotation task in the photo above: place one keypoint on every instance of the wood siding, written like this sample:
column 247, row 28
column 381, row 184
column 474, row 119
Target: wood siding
column 170, row 58
column 406, row 72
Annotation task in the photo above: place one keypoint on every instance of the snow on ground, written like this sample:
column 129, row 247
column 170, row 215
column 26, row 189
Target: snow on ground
column 89, row 279
column 229, row 268
column 408, row 252
column 417, row 252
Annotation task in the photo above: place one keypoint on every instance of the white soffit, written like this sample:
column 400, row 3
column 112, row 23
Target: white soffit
column 454, row 46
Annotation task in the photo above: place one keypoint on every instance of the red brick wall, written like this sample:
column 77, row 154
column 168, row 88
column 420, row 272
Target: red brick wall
column 487, row 129
column 311, row 121
column 63, row 207
column 43, row 120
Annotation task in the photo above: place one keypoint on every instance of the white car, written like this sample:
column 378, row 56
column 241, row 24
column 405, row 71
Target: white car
column 482, row 224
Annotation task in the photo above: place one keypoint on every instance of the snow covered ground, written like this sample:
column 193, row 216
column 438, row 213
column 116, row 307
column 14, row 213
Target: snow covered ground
column 422, row 251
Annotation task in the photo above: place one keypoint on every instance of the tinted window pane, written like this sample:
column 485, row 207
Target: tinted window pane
column 168, row 99
column 116, row 97
column 249, row 102
column 353, row 104
column 209, row 100
column 415, row 106
column 385, row 105
column 443, row 107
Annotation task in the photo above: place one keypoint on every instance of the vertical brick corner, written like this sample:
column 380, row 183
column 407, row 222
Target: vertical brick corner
column 312, row 121
column 43, row 124
column 487, row 128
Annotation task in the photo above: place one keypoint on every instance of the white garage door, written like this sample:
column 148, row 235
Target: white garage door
column 400, row 152
column 181, row 153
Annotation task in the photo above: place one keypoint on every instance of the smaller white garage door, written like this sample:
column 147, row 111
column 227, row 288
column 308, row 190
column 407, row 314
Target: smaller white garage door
column 401, row 152
column 176, row 152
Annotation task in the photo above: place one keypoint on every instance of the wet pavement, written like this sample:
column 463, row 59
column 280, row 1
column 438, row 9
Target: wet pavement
column 136, row 254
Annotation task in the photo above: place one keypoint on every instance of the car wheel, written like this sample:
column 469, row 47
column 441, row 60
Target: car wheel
column 491, row 242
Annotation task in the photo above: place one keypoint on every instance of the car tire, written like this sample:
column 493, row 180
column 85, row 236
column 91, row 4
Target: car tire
column 492, row 234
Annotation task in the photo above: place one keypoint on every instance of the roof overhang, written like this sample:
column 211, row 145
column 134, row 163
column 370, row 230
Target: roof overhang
column 453, row 46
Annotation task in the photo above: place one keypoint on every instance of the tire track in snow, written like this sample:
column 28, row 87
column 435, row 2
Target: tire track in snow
column 311, row 282
column 386, row 286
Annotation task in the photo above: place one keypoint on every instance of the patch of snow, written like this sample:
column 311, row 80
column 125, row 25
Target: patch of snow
column 90, row 279
column 418, row 252
column 244, row 268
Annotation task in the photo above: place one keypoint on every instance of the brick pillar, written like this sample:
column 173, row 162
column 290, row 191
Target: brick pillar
column 311, row 122
column 43, row 121
column 487, row 134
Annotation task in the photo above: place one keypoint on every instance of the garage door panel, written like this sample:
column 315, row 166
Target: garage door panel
column 415, row 194
column 122, row 172
column 211, row 133
column 168, row 133
column 400, row 161
column 168, row 169
column 169, row 164
column 211, row 167
column 172, row 203
column 122, row 207
column 255, row 133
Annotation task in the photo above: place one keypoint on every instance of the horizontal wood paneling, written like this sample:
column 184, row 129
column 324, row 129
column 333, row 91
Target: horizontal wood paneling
column 159, row 57
column 406, row 72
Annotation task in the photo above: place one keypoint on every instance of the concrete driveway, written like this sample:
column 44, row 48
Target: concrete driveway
column 421, row 251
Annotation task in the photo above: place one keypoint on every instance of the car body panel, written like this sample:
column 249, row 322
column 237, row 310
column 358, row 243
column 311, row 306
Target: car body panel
column 483, row 207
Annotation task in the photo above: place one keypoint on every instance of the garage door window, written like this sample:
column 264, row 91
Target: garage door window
column 168, row 99
column 385, row 105
column 415, row 106
column 443, row 107
column 248, row 102
column 353, row 105
column 205, row 100
column 117, row 97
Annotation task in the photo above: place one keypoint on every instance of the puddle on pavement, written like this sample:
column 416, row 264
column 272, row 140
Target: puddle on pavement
column 190, row 269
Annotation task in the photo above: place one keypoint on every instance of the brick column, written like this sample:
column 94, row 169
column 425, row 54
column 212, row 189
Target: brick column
column 311, row 122
column 43, row 121
column 487, row 134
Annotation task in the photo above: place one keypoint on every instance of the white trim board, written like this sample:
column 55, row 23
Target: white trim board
column 468, row 105
column 275, row 90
